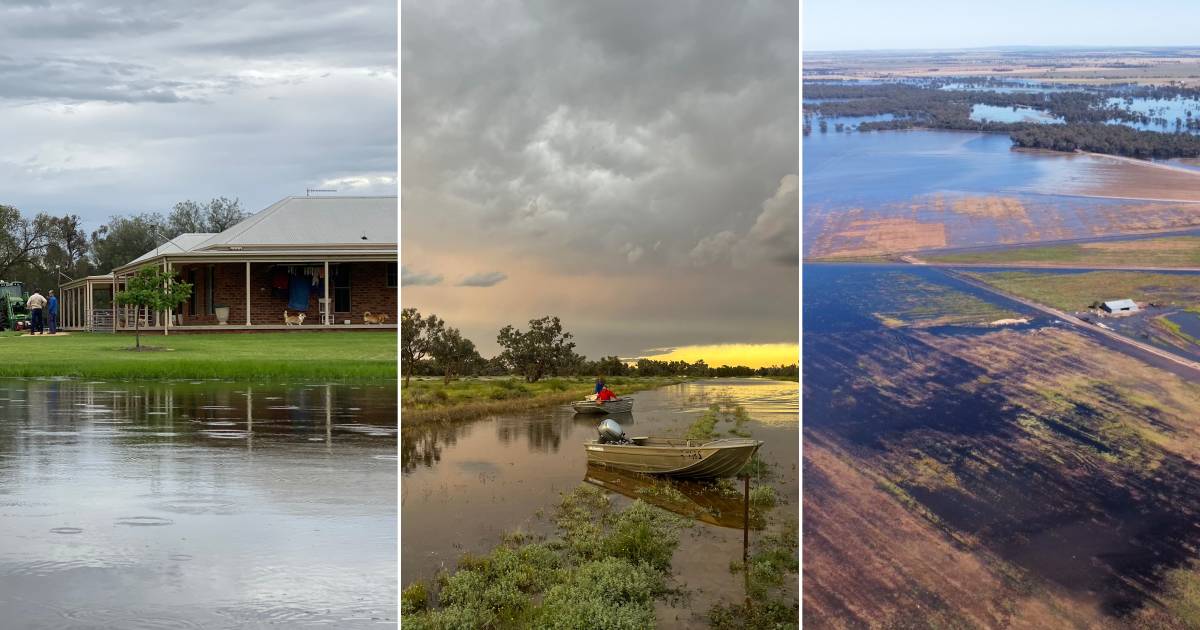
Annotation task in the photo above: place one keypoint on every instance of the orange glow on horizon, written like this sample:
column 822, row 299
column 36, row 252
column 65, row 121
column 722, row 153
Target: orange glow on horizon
column 753, row 355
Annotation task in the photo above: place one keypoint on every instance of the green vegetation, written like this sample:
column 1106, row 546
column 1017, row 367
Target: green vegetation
column 1173, row 251
column 773, row 560
column 439, row 401
column 339, row 356
column 1174, row 331
column 153, row 290
column 704, row 428
column 1077, row 291
column 604, row 569
column 904, row 300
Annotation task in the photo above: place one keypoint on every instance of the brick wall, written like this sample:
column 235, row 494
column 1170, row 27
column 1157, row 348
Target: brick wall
column 368, row 292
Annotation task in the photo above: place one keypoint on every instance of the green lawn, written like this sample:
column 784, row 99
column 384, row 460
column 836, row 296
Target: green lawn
column 339, row 356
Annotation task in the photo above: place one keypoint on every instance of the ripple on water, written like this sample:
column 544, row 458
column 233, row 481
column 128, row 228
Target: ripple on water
column 66, row 530
column 197, row 505
column 128, row 618
column 144, row 521
column 224, row 435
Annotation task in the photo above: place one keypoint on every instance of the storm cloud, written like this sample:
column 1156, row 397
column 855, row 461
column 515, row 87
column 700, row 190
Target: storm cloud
column 115, row 107
column 637, row 160
column 487, row 279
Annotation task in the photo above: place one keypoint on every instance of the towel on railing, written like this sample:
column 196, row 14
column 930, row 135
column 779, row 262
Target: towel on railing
column 298, row 289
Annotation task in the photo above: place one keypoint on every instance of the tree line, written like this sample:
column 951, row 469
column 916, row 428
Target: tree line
column 428, row 347
column 1084, row 112
column 37, row 248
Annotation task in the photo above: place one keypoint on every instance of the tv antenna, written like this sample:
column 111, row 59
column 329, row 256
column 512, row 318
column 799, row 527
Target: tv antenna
column 309, row 191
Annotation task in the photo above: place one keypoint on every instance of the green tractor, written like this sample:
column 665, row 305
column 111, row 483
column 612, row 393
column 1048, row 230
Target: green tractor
column 13, row 313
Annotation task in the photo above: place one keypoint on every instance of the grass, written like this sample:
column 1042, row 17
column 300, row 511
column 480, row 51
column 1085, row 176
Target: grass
column 604, row 569
column 1175, row 251
column 903, row 300
column 774, row 559
column 431, row 400
column 341, row 356
column 1077, row 291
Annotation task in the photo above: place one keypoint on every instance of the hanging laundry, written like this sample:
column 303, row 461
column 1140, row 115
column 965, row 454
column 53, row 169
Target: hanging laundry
column 298, row 292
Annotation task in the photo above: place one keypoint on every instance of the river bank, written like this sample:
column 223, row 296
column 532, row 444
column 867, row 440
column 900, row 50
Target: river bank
column 429, row 400
column 258, row 357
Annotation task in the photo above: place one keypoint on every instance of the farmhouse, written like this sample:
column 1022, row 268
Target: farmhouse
column 1120, row 306
column 332, row 259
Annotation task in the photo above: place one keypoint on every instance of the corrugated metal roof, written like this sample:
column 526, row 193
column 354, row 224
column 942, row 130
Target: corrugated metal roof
column 183, row 243
column 307, row 221
column 1121, row 305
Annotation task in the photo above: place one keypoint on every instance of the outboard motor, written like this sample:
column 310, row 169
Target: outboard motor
column 610, row 432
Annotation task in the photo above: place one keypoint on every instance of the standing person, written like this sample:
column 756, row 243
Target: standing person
column 52, row 312
column 599, row 384
column 35, row 304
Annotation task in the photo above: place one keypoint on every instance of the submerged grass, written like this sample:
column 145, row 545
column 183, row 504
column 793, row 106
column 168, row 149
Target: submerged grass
column 605, row 569
column 340, row 356
column 768, row 571
column 432, row 400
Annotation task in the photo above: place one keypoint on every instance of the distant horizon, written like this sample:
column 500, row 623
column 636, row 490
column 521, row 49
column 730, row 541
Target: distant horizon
column 1005, row 47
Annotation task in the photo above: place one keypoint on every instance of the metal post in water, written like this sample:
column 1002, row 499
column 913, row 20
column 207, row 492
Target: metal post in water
column 746, row 522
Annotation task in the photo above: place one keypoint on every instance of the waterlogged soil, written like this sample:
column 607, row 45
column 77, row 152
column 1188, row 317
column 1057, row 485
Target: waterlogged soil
column 1012, row 477
column 466, row 485
column 196, row 505
column 902, row 191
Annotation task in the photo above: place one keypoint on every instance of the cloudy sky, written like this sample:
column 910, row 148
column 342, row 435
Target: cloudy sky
column 627, row 166
column 113, row 107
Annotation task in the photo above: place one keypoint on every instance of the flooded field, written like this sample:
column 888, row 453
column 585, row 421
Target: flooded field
column 890, row 191
column 988, row 476
column 197, row 505
column 467, row 485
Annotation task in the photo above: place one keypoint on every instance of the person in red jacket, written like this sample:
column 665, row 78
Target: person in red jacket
column 606, row 395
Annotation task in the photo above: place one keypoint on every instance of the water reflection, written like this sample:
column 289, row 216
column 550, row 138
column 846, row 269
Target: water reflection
column 702, row 501
column 196, row 504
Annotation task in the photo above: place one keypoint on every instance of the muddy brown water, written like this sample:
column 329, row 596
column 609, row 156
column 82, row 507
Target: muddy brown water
column 197, row 505
column 465, row 486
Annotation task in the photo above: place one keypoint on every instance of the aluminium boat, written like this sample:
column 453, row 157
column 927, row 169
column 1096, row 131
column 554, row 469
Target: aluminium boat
column 620, row 405
column 675, row 457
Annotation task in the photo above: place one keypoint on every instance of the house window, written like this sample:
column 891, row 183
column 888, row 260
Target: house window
column 208, row 291
column 391, row 275
column 341, row 288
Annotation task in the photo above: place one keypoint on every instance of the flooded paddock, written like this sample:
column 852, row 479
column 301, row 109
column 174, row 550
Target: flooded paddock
column 197, row 505
column 466, row 485
column 898, row 191
column 978, row 476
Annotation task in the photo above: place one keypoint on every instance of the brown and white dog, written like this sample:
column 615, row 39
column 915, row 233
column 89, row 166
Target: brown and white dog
column 381, row 318
column 293, row 320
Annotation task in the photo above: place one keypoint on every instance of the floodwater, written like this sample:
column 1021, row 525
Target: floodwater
column 996, row 113
column 196, row 505
column 468, row 484
column 898, row 400
column 880, row 191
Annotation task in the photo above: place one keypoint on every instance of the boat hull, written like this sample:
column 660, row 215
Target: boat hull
column 622, row 405
column 687, row 459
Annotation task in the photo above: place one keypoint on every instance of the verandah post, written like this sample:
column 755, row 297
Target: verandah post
column 247, row 292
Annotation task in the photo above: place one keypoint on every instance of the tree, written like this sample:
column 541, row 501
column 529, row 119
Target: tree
column 452, row 351
column 123, row 239
column 222, row 214
column 186, row 216
column 416, row 338
column 154, row 289
column 21, row 238
column 541, row 350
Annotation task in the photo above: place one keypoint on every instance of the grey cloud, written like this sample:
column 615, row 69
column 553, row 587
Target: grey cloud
column 636, row 137
column 125, row 106
column 413, row 278
column 486, row 279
